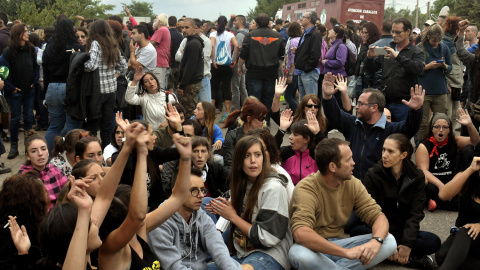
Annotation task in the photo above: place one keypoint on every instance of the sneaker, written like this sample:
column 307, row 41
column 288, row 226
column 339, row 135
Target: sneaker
column 424, row 262
column 432, row 205
column 224, row 117
column 4, row 169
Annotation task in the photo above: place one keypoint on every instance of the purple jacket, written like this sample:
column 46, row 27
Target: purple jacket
column 336, row 63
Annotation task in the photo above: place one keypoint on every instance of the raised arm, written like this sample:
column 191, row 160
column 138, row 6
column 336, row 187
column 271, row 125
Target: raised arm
column 280, row 87
column 130, row 96
column 465, row 120
column 341, row 85
column 179, row 191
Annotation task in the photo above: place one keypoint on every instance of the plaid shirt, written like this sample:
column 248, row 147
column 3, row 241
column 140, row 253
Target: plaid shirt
column 52, row 177
column 108, row 81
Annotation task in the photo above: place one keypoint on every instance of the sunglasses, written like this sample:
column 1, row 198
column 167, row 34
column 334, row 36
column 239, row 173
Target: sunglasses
column 316, row 106
column 82, row 36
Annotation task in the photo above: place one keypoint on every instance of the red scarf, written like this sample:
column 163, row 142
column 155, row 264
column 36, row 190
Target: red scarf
column 437, row 144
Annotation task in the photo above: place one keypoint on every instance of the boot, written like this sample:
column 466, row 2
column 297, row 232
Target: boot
column 13, row 150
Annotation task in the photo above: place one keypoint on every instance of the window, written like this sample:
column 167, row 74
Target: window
column 312, row 4
column 318, row 3
column 329, row 1
column 299, row 5
column 289, row 7
column 304, row 5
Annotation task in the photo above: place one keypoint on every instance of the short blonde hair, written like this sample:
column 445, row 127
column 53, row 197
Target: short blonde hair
column 162, row 19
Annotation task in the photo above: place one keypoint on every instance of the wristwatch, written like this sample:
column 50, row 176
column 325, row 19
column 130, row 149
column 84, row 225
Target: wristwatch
column 379, row 239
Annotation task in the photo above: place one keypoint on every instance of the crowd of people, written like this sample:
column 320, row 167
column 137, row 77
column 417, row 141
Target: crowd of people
column 162, row 187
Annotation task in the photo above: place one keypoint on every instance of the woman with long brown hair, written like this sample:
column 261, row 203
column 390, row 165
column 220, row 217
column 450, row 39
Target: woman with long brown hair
column 260, row 232
column 205, row 116
column 104, row 55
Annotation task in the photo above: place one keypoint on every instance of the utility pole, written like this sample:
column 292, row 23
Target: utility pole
column 416, row 16
column 428, row 10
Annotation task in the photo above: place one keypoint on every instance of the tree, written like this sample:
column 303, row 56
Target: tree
column 141, row 9
column 468, row 10
column 269, row 7
column 439, row 4
column 406, row 13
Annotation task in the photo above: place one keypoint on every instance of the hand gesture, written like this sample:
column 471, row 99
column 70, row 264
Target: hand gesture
column 312, row 123
column 183, row 145
column 132, row 131
column 120, row 122
column 78, row 195
column 341, row 83
column 328, row 86
column 217, row 145
column 371, row 52
column 138, row 74
column 81, row 18
column 473, row 230
column 286, row 119
column 417, row 97
column 172, row 115
column 128, row 11
column 475, row 164
column 403, row 254
column 132, row 46
column 142, row 143
column 463, row 25
column 280, row 86
column 19, row 236
column 463, row 117
column 223, row 207
column 391, row 53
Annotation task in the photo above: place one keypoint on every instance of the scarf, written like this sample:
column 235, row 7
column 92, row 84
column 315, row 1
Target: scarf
column 436, row 145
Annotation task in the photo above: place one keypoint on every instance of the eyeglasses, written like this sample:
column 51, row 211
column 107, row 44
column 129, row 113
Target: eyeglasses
column 195, row 191
column 396, row 32
column 82, row 36
column 441, row 127
column 118, row 132
column 316, row 106
column 360, row 104
column 261, row 118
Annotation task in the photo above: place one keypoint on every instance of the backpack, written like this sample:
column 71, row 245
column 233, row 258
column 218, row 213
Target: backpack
column 351, row 61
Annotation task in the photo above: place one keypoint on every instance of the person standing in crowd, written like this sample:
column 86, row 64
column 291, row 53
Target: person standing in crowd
column 21, row 59
column 175, row 40
column 143, row 55
column 307, row 55
column 4, row 32
column 261, row 50
column 375, row 80
column 370, row 34
column 161, row 40
column 398, row 75
column 415, row 33
column 294, row 32
column 106, row 57
column 398, row 187
column 471, row 37
column 191, row 67
column 318, row 227
column 367, row 131
column 239, row 89
column 432, row 79
column 222, row 63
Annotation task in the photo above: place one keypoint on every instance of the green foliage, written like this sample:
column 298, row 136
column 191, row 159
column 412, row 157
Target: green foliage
column 141, row 9
column 468, row 10
column 406, row 13
column 269, row 7
column 439, row 4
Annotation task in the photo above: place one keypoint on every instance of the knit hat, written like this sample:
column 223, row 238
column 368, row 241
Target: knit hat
column 439, row 116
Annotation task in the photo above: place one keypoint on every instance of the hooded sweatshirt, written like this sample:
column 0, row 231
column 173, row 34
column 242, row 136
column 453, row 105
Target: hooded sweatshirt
column 186, row 246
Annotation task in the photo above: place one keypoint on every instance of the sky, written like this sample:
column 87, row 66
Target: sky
column 211, row 9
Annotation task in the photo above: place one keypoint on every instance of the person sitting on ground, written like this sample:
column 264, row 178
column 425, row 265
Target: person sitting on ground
column 173, row 125
column 461, row 250
column 144, row 90
column 437, row 155
column 63, row 152
column 320, row 207
column 398, row 187
column 191, row 221
column 89, row 148
column 36, row 152
column 192, row 128
column 117, row 140
column 204, row 114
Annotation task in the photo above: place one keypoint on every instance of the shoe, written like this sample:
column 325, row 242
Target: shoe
column 4, row 169
column 39, row 128
column 424, row 262
column 224, row 117
column 432, row 205
column 13, row 151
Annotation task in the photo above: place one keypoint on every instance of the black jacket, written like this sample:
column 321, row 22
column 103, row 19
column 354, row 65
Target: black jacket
column 82, row 99
column 399, row 74
column 24, row 70
column 191, row 67
column 403, row 206
column 309, row 52
column 262, row 49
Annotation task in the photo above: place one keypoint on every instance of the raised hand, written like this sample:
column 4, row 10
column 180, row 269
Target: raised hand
column 79, row 196
column 138, row 74
column 464, row 117
column 19, row 236
column 280, row 86
column 172, row 115
column 417, row 97
column 132, row 132
column 328, row 86
column 312, row 123
column 183, row 145
column 286, row 119
column 120, row 122
column 463, row 25
column 142, row 143
column 475, row 164
column 341, row 83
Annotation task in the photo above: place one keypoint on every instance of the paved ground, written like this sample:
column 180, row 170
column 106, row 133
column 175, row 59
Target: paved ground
column 438, row 222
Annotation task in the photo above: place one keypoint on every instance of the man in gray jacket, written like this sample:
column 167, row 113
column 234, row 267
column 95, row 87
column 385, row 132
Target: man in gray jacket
column 186, row 239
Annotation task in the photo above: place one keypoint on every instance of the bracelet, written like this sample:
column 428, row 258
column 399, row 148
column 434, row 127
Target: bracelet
column 290, row 74
column 282, row 131
column 185, row 159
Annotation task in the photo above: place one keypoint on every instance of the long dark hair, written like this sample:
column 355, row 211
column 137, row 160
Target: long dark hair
column 373, row 33
column 64, row 35
column 67, row 143
column 101, row 32
column 16, row 34
column 300, row 112
column 239, row 181
column 221, row 24
column 340, row 33
column 270, row 144
column 117, row 33
column 209, row 115
column 251, row 107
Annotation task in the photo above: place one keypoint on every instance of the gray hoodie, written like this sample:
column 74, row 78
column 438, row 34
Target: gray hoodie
column 172, row 243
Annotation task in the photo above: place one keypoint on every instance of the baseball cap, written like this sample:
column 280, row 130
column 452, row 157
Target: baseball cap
column 416, row 31
column 429, row 22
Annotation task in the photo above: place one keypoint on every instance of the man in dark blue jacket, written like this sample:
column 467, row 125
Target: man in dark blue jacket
column 367, row 132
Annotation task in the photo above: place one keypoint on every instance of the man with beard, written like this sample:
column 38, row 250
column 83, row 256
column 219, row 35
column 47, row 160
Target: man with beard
column 321, row 204
column 368, row 130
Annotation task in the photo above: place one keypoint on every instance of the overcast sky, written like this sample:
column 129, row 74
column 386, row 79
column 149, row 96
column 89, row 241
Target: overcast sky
column 211, row 9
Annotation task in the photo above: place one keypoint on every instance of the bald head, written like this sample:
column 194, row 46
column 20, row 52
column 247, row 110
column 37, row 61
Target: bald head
column 471, row 34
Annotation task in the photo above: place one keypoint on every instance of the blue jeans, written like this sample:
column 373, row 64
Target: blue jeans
column 399, row 111
column 56, row 109
column 263, row 89
column 290, row 94
column 258, row 260
column 42, row 110
column 16, row 101
column 303, row 258
column 308, row 83
column 206, row 91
